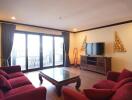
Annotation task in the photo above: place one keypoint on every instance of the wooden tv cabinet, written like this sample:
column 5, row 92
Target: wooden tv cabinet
column 97, row 64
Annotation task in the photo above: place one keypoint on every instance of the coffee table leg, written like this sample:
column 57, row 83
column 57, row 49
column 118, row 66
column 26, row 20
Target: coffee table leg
column 78, row 83
column 40, row 78
column 58, row 90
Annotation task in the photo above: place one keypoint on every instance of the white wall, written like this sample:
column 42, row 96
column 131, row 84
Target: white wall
column 119, row 60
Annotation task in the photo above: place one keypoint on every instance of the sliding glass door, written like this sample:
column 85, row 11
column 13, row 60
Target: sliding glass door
column 47, row 51
column 18, row 54
column 58, row 50
column 35, row 51
column 52, row 51
column 33, row 54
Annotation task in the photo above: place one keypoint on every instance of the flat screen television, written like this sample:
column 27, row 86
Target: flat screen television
column 95, row 48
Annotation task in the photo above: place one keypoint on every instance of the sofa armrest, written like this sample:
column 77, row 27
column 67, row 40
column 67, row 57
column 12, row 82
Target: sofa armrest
column 113, row 76
column 11, row 69
column 69, row 94
column 35, row 94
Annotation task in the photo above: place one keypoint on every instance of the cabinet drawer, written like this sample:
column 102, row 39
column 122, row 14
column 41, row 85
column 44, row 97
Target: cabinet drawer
column 101, row 64
column 101, row 59
column 91, row 67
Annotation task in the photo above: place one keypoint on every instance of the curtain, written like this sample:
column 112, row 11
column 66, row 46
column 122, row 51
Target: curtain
column 66, row 36
column 7, row 35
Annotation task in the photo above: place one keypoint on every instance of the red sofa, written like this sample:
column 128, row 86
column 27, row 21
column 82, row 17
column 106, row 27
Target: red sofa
column 122, row 93
column 114, row 79
column 118, row 86
column 14, row 85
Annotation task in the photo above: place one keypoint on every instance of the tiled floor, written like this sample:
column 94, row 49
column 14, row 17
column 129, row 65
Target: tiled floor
column 87, row 80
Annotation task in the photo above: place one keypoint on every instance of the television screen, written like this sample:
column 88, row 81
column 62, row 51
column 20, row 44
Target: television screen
column 95, row 48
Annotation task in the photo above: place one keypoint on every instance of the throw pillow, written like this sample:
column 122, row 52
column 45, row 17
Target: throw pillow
column 99, row 94
column 104, row 84
column 4, row 74
column 4, row 84
column 125, row 74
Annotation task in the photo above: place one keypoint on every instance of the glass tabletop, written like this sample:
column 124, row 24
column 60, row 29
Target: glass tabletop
column 59, row 74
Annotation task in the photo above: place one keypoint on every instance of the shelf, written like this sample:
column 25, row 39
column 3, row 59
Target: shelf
column 97, row 64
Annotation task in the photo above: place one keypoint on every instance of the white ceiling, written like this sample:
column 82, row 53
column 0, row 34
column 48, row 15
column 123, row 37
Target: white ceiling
column 66, row 14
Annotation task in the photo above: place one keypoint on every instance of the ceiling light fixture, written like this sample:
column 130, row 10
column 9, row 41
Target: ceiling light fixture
column 13, row 17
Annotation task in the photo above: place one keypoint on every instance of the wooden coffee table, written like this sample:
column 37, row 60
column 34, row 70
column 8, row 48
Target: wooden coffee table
column 59, row 77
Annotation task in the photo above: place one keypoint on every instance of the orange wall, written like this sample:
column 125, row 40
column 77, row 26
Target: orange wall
column 119, row 60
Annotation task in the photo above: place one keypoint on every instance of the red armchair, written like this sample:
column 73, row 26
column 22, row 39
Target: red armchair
column 118, row 86
column 69, row 94
column 16, row 86
column 113, row 79
column 122, row 93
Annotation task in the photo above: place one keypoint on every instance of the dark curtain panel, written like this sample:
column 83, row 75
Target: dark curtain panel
column 66, row 36
column 7, row 34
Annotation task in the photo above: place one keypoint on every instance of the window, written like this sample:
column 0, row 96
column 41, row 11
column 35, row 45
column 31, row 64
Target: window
column 18, row 54
column 58, row 50
column 47, row 51
column 33, row 48
column 34, row 51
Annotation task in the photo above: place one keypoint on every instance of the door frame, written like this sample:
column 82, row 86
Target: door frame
column 54, row 52
column 40, row 49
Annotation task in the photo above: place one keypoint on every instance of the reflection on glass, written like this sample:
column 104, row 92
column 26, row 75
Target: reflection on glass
column 33, row 51
column 59, row 74
column 59, row 50
column 47, row 51
column 18, row 51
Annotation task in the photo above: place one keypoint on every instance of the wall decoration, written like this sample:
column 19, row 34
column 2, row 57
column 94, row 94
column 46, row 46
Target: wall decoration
column 118, row 45
column 84, row 44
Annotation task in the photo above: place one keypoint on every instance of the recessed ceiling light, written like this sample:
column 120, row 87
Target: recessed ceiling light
column 13, row 17
column 74, row 29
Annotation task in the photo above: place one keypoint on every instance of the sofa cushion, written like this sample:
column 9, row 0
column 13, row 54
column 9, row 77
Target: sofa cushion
column 19, row 81
column 125, row 74
column 122, row 82
column 104, row 84
column 123, row 93
column 4, row 84
column 99, row 94
column 19, row 90
column 14, row 75
column 4, row 73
